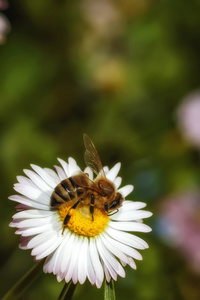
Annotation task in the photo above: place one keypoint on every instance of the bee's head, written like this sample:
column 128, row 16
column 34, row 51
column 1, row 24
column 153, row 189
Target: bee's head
column 107, row 188
column 116, row 203
column 112, row 199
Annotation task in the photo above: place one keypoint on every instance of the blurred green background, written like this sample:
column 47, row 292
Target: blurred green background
column 118, row 71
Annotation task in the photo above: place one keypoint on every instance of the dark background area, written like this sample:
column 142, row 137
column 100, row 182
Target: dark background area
column 118, row 71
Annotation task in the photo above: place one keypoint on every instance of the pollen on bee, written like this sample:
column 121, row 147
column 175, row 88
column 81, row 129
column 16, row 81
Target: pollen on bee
column 70, row 211
column 85, row 211
column 81, row 222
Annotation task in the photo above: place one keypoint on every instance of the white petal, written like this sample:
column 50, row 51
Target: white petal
column 47, row 247
column 132, row 205
column 117, row 182
column 107, row 273
column 106, row 169
column 71, row 272
column 62, row 175
column 35, row 222
column 39, row 182
column 130, row 226
column 24, row 242
column 127, row 238
column 60, row 277
column 89, row 171
column 51, row 264
column 131, row 215
column 96, row 261
column 20, row 207
column 26, row 181
column 50, row 249
column 61, row 252
column 32, row 193
column 127, row 250
column 98, row 283
column 39, row 239
column 50, row 261
column 73, row 167
column 82, row 259
column 112, row 173
column 131, row 263
column 108, row 260
column 126, row 190
column 65, row 166
column 45, row 176
column 53, row 175
column 33, row 213
column 67, row 253
column 29, row 202
column 108, row 242
column 76, row 261
column 89, row 267
column 35, row 230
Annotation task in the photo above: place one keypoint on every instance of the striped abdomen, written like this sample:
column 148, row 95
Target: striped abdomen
column 65, row 191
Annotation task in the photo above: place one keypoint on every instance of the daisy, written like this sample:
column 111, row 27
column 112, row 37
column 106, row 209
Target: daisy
column 97, row 249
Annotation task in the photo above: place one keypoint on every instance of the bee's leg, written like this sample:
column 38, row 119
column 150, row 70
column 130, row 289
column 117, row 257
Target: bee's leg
column 92, row 206
column 106, row 206
column 113, row 212
column 68, row 216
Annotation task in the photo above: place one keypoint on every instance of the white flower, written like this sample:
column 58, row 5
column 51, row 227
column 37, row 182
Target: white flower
column 86, row 249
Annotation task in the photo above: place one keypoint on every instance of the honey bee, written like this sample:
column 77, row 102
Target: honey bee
column 100, row 192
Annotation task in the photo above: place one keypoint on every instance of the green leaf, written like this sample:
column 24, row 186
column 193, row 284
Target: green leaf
column 20, row 287
column 67, row 291
column 109, row 290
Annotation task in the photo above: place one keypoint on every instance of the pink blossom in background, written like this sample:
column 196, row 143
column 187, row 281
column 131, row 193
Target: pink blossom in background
column 4, row 28
column 189, row 118
column 4, row 23
column 179, row 224
column 3, row 4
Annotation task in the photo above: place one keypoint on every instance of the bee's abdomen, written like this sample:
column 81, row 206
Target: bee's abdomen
column 65, row 191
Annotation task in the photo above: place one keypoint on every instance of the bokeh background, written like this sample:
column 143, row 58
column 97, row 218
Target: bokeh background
column 126, row 72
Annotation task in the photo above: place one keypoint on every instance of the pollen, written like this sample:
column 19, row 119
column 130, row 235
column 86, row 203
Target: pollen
column 80, row 221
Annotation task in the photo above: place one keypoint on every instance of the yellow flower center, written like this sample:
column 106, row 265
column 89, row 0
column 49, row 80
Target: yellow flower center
column 80, row 221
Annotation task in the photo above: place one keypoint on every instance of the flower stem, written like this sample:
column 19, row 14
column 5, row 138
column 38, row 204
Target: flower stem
column 109, row 290
column 67, row 291
column 24, row 282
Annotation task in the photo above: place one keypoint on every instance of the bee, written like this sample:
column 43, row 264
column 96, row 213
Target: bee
column 100, row 192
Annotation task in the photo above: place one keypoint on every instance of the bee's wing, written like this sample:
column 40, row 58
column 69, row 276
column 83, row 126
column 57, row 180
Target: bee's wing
column 91, row 157
column 81, row 179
